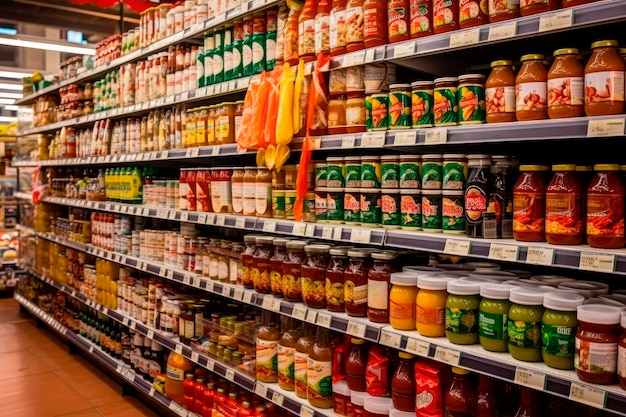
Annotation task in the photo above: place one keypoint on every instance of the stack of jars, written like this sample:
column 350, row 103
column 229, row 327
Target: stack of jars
column 212, row 125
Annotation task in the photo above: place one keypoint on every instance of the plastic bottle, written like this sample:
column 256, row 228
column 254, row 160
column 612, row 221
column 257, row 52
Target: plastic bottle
column 319, row 370
column 177, row 367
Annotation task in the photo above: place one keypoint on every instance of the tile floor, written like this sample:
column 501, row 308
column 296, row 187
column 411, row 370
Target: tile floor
column 41, row 379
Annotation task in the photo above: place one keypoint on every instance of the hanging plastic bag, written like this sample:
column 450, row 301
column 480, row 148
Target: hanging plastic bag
column 274, row 80
column 253, row 117
column 284, row 124
column 297, row 93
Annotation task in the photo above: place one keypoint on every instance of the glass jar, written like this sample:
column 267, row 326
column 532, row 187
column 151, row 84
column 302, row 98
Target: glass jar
column 432, row 171
column 374, row 23
column 524, row 323
column 499, row 10
column 558, row 328
column 249, row 191
column 422, row 103
column 564, row 221
column 378, row 285
column 263, row 192
column 276, row 266
column 420, row 18
column 236, row 181
column 462, row 312
column 356, row 363
column 335, row 279
column 402, row 300
column 354, row 25
column 403, row 383
column 471, row 99
column 566, row 88
column 430, row 305
column 604, row 80
column 492, row 317
column 291, row 282
column 225, row 125
column 529, row 204
column 313, row 273
column 500, row 93
column 399, row 111
column 336, row 114
column 445, row 101
column 473, row 13
column 605, row 228
column 445, row 16
column 410, row 171
column 530, row 7
column 356, row 113
column 398, row 20
column 260, row 272
column 531, row 88
column 247, row 260
column 355, row 295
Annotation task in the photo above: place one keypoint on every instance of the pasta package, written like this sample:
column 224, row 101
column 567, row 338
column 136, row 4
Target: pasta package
column 291, row 32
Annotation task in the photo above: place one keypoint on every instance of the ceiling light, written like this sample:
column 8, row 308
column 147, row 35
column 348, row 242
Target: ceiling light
column 36, row 43
column 11, row 107
column 10, row 95
column 7, row 101
column 7, row 119
column 14, row 74
column 13, row 87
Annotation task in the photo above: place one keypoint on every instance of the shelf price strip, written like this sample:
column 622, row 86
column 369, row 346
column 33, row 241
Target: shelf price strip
column 596, row 262
column 586, row 394
column 530, row 378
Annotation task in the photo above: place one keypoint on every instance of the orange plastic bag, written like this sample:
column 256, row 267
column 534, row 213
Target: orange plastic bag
column 253, row 117
column 271, row 108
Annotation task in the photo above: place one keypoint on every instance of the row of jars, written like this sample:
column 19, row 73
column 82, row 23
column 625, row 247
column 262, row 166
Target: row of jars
column 211, row 125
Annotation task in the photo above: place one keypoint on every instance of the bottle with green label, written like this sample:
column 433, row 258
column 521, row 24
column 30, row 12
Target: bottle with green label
column 524, row 323
column 209, row 49
column 319, row 371
column 136, row 186
column 218, row 56
column 492, row 317
column 558, row 328
column 462, row 307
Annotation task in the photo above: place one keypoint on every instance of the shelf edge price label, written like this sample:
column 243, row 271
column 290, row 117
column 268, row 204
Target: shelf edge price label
column 220, row 220
column 311, row 316
column 309, row 230
column 347, row 142
column 559, row 20
column 356, row 329
column 178, row 409
column 225, row 291
column 505, row 31
column 238, row 295
column 464, row 38
column 195, row 357
column 351, row 60
column 187, row 280
column 323, row 319
column 390, row 339
column 337, row 233
column 530, row 378
column 436, row 136
column 459, row 247
column 278, row 398
column 268, row 303
column 596, row 262
column 150, row 334
column 327, row 232
column 503, row 252
column 373, row 140
column 240, row 223
column 586, row 394
column 261, row 390
column 299, row 312
column 446, row 355
column 605, row 128
column 360, row 235
column 403, row 50
column 418, row 347
column 299, row 228
column 179, row 349
column 405, row 138
column 230, row 374
column 538, row 255
column 306, row 411
column 210, row 365
column 247, row 297
column 269, row 226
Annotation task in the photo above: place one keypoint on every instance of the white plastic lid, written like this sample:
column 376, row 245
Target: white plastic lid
column 433, row 282
column 496, row 291
column 562, row 300
column 605, row 302
column 598, row 314
column 620, row 298
column 422, row 269
column 595, row 288
column 341, row 388
column 406, row 279
column 482, row 266
column 394, row 412
column 358, row 397
column 528, row 296
column 551, row 279
column 622, row 321
column 526, row 284
column 378, row 405
column 459, row 287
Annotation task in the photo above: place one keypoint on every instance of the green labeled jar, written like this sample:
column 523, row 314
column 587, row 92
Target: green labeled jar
column 335, row 172
column 431, row 210
column 462, row 306
column 411, row 209
column 390, row 208
column 445, row 104
column 454, row 170
column 410, row 171
column 352, row 206
column 321, row 204
column 377, row 117
column 290, row 202
column 422, row 103
column 370, row 206
column 471, row 99
column 371, row 172
column 524, row 323
column 278, row 203
column 558, row 328
column 453, row 212
column 432, row 172
column 390, row 167
column 492, row 317
column 334, row 205
column 399, row 111
column 320, row 174
column 353, row 171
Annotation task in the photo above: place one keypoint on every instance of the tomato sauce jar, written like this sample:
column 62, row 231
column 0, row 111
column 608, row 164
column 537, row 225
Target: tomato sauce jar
column 604, row 80
column 605, row 208
column 566, row 85
column 473, row 13
column 564, row 207
column 500, row 10
column 420, row 18
column 531, row 89
column 355, row 294
column 500, row 92
column 313, row 272
column 529, row 204
column 398, row 20
column 445, row 15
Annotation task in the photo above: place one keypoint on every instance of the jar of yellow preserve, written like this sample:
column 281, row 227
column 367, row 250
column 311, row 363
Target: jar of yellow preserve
column 524, row 323
column 492, row 316
column 430, row 305
column 558, row 328
column 402, row 300
column 462, row 312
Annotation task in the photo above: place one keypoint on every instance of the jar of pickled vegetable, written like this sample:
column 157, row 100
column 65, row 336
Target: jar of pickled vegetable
column 292, row 264
column 529, row 204
column 402, row 300
column 247, row 260
column 558, row 328
column 524, row 323
column 462, row 307
column 492, row 317
column 378, row 283
column 335, row 279
column 430, row 305
column 276, row 266
column 355, row 295
column 313, row 273
column 564, row 221
column 260, row 271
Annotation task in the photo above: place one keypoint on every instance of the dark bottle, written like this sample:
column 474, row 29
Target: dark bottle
column 118, row 342
column 477, row 195
column 486, row 405
column 126, row 345
column 146, row 352
column 156, row 361
column 499, row 203
column 528, row 404
column 460, row 399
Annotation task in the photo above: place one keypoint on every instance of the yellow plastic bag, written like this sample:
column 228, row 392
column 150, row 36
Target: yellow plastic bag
column 284, row 121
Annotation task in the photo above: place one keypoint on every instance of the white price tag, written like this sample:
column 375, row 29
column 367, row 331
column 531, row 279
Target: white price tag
column 145, row 212
column 538, row 255
column 210, row 285
column 225, row 291
column 267, row 303
column 105, row 311
column 238, row 294
column 337, row 233
column 162, row 213
column 356, row 329
column 299, row 228
column 172, row 214
column 119, row 367
column 91, row 350
column 306, row 412
column 261, row 390
column 503, row 252
column 151, row 392
column 406, row 49
column 278, row 398
column 150, row 334
column 405, row 138
column 240, row 222
column 360, row 235
column 192, row 152
column 195, row 356
column 373, row 140
column 357, row 58
column 323, row 319
column 269, row 226
column 202, row 218
column 215, row 151
column 436, row 136
column 196, row 282
column 125, row 321
column 446, row 355
column 210, row 365
column 390, row 339
column 586, row 394
column 310, row 230
column 179, row 349
column 529, row 378
column 558, row 20
column 605, row 128
column 464, row 38
column 184, row 216
column 504, row 31
column 133, row 325
column 327, row 232
column 299, row 312
column 370, row 55
column 247, row 297
column 459, row 247
column 417, row 347
column 178, row 409
column 186, row 280
column 347, row 142
column 596, row 262
column 162, row 271
column 220, row 219
column 230, row 374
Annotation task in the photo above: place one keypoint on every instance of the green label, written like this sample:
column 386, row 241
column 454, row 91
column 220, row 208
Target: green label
column 390, row 209
column 258, row 53
column 334, row 207
column 461, row 320
column 334, row 176
column 422, row 108
column 471, row 99
column 371, row 174
column 454, row 175
column 377, row 117
column 399, row 110
column 411, row 211
column 319, row 377
column 431, row 212
column 290, row 202
column 453, row 213
column 390, row 175
column 353, row 175
column 432, row 175
column 278, row 204
column 320, row 176
column 492, row 326
column 270, row 48
column 246, row 55
column 410, row 175
column 369, row 122
column 370, row 208
column 558, row 340
column 445, row 106
column 351, row 207
column 524, row 334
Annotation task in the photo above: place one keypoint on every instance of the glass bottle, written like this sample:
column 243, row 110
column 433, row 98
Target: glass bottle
column 403, row 384
column 564, row 221
column 356, row 363
column 566, row 88
column 528, row 404
column 604, row 80
column 605, row 228
column 267, row 337
column 460, row 399
column 486, row 405
column 286, row 354
column 531, row 90
column 319, row 371
column 303, row 347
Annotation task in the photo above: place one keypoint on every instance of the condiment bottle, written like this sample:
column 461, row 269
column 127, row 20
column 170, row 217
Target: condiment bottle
column 564, row 207
column 322, row 27
column 375, row 23
column 605, row 228
column 529, row 204
column 356, row 363
column 621, row 353
column 263, row 193
column 354, row 25
column 403, row 383
column 460, row 398
column 177, row 367
column 492, row 317
column 420, row 18
column 595, row 355
column 335, row 279
column 558, row 328
column 502, row 10
column 378, row 285
column 306, row 32
column 260, row 271
column 313, row 271
column 566, row 89
column 276, row 266
column 287, row 354
column 445, row 16
column 462, row 312
column 604, row 80
column 338, row 28
column 476, row 193
column 430, row 305
column 267, row 337
column 292, row 269
column 524, row 323
column 531, row 89
column 398, row 20
column 319, row 370
column 355, row 295
column 402, row 300
column 528, row 404
column 486, row 405
column 303, row 346
column 249, row 191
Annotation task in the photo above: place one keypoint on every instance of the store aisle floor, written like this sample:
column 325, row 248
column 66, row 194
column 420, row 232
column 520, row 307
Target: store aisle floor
column 41, row 379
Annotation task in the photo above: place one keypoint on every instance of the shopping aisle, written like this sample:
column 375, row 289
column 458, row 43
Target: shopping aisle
column 41, row 379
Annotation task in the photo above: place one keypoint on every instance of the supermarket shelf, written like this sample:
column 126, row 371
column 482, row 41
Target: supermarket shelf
column 22, row 196
column 25, row 229
column 195, row 31
column 126, row 374
column 501, row 365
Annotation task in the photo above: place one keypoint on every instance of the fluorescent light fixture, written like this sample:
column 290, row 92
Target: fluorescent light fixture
column 7, row 101
column 7, row 119
column 10, row 95
column 14, row 74
column 12, row 87
column 11, row 107
column 37, row 43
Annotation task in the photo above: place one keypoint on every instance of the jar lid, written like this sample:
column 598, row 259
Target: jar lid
column 533, row 168
column 584, row 168
column 459, row 371
column 359, row 253
column 389, row 158
column 431, row 192
column 528, row 296
column 341, row 388
column 335, row 159
column 566, row 51
column 410, row 191
column 374, row 95
column 264, row 240
column 352, row 158
column 321, row 164
column 405, row 355
column 357, row 341
column 422, row 270
column 454, row 156
column 281, row 241
column 394, row 412
column 433, row 282
column 500, row 63
column 496, row 291
column 394, row 86
column 378, row 405
column 520, row 273
column 410, row 157
column 385, row 255
column 593, row 287
column 369, row 190
column 600, row 44
column 370, row 157
column 446, row 80
column 432, row 156
column 405, row 279
column 458, row 287
column 422, row 84
column 481, row 266
column 606, row 167
column 532, row 57
column 551, row 279
column 358, row 397
column 338, row 251
column 598, row 314
column 564, row 167
column 562, row 300
column 317, row 248
column 471, row 77
column 620, row 298
column 453, row 193
column 297, row 244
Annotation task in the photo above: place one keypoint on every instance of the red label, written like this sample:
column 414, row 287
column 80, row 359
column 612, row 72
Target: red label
column 605, row 214
column 388, row 204
column 371, row 23
column 452, row 210
column 563, row 213
column 528, row 212
column 396, row 107
column 475, row 203
column 442, row 106
column 351, row 203
column 429, row 210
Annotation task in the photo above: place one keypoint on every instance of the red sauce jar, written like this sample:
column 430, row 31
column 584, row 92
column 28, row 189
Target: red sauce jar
column 530, row 7
column 356, row 363
column 445, row 15
column 420, row 18
column 403, row 383
column 260, row 271
column 564, row 202
column 595, row 355
column 378, row 286
column 313, row 273
column 375, row 27
column 472, row 13
column 605, row 208
column 292, row 289
column 276, row 266
column 247, row 259
column 398, row 20
column 529, row 204
column 621, row 353
column 500, row 10
column 335, row 279
column 355, row 289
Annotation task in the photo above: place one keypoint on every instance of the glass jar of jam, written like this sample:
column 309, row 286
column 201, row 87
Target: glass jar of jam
column 260, row 271
column 445, row 16
column 564, row 201
column 375, row 23
column 356, row 113
column 292, row 289
column 313, row 273
column 595, row 355
column 335, row 279
column 500, row 10
column 531, row 89
column 500, row 92
column 378, row 286
column 336, row 114
column 530, row 7
column 276, row 266
column 605, row 208
column 604, row 80
column 566, row 90
column 529, row 204
column 355, row 290
column 247, row 260
column 356, row 363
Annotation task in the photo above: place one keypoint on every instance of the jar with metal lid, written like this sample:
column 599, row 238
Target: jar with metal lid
column 564, row 200
column 462, row 307
column 276, row 266
column 471, row 99
column 422, row 97
column 445, row 106
column 377, row 106
column 313, row 273
column 247, row 260
column 260, row 271
column 378, row 285
column 371, row 172
column 249, row 191
column 356, row 113
column 336, row 112
column 291, row 275
column 352, row 168
column 390, row 171
column 399, row 112
column 432, row 173
column 604, row 80
column 335, row 279
column 355, row 294
column 566, row 85
column 531, row 89
column 226, row 123
column 500, row 93
column 236, row 181
column 558, row 328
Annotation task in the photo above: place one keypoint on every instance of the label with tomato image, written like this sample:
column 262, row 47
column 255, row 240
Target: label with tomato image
column 411, row 211
column 431, row 212
column 500, row 99
column 497, row 7
column 529, row 212
column 420, row 16
column 443, row 13
column 566, row 91
column 604, row 86
column 445, row 106
column 475, row 204
column 422, row 108
column 531, row 96
column 399, row 110
column 564, row 214
column 605, row 215
column 397, row 19
column 471, row 104
column 473, row 10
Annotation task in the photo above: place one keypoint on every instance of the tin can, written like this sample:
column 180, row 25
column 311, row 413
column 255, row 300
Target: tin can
column 321, row 204
column 454, row 170
column 320, row 174
column 334, row 204
column 411, row 209
column 432, row 171
column 278, row 204
column 353, row 171
column 410, row 171
column 422, row 103
column 352, row 206
column 453, row 212
column 445, row 104
column 471, row 99
column 390, row 168
column 390, row 208
column 431, row 210
column 377, row 111
column 335, row 172
column 290, row 202
column 399, row 113
column 370, row 206
column 371, row 172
